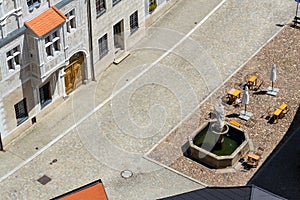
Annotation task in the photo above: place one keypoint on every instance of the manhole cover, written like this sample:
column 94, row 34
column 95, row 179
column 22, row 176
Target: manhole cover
column 126, row 174
column 44, row 180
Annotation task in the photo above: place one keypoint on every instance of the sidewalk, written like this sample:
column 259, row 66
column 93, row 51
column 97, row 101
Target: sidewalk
column 79, row 141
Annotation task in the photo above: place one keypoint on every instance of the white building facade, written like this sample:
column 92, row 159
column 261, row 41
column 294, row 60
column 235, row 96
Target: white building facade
column 48, row 48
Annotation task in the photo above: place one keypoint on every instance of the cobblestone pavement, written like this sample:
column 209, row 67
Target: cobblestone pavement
column 263, row 133
column 107, row 126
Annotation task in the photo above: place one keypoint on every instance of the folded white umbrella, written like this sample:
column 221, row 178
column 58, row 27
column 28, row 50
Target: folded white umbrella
column 273, row 75
column 245, row 98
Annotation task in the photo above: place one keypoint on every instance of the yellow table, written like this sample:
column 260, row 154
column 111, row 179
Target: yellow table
column 252, row 159
column 252, row 82
column 282, row 106
column 276, row 114
column 253, row 156
column 233, row 94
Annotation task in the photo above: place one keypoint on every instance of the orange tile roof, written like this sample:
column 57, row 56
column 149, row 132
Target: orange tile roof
column 95, row 192
column 91, row 191
column 46, row 21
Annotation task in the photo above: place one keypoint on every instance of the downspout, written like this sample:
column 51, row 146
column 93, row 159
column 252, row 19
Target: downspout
column 65, row 43
column 90, row 38
column 1, row 144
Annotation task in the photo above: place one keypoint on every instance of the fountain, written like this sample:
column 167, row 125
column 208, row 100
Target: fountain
column 218, row 127
column 216, row 143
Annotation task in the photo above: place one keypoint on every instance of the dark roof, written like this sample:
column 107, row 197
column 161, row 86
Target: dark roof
column 249, row 192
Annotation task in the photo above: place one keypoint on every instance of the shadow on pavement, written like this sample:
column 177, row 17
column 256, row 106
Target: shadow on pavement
column 280, row 173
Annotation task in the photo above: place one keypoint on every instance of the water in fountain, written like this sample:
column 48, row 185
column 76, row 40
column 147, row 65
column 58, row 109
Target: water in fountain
column 232, row 140
column 215, row 138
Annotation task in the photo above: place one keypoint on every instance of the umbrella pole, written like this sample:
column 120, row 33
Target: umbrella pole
column 245, row 109
column 272, row 85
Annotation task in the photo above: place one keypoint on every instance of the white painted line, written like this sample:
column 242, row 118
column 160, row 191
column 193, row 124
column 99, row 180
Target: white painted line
column 175, row 171
column 111, row 96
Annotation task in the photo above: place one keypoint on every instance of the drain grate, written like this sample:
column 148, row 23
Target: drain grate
column 44, row 180
column 126, row 174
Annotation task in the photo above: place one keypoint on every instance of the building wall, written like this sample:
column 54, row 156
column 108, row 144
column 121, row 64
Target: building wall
column 8, row 12
column 36, row 69
column 25, row 81
column 104, row 23
column 77, row 40
column 162, row 7
column 24, row 91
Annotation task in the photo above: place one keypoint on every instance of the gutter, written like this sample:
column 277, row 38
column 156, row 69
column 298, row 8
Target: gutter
column 90, row 38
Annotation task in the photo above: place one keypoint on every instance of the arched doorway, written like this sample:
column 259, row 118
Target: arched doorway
column 74, row 72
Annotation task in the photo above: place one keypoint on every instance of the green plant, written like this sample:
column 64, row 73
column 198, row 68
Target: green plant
column 152, row 7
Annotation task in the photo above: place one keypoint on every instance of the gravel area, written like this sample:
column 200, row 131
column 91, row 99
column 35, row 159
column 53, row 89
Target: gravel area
column 283, row 51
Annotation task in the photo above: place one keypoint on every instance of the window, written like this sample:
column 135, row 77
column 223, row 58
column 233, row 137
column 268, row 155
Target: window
column 70, row 22
column 134, row 23
column 33, row 4
column 103, row 46
column 13, row 58
column 115, row 2
column 100, row 7
column 45, row 95
column 52, row 43
column 21, row 111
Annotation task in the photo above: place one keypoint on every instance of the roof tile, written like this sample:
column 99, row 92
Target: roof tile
column 47, row 21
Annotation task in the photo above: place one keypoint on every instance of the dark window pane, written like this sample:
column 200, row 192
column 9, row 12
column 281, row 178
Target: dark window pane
column 56, row 45
column 48, row 51
column 134, row 24
column 45, row 95
column 103, row 46
column 100, row 6
column 21, row 111
column 10, row 64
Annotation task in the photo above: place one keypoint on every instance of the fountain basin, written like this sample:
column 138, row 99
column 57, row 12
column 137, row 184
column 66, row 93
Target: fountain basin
column 205, row 147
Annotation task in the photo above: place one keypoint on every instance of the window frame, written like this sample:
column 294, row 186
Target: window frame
column 13, row 58
column 51, row 41
column 33, row 4
column 71, row 22
column 102, row 9
column 45, row 101
column 103, row 46
column 115, row 2
column 21, row 111
column 134, row 22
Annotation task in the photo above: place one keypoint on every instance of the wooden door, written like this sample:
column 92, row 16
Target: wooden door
column 77, row 74
column 73, row 76
column 69, row 80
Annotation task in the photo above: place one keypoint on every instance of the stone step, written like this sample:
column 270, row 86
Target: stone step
column 121, row 57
